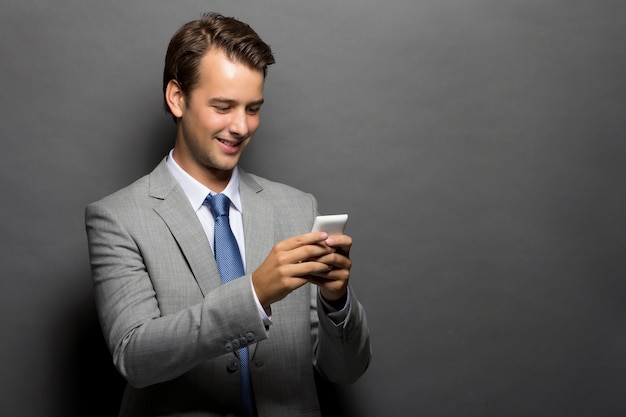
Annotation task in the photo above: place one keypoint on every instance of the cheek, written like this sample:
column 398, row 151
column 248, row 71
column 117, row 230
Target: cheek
column 253, row 123
column 212, row 121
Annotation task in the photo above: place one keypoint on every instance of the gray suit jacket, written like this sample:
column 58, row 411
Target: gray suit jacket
column 171, row 325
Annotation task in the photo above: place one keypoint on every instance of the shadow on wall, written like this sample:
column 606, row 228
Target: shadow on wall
column 333, row 400
column 86, row 382
column 99, row 387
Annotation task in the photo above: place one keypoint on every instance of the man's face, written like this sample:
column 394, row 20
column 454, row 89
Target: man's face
column 219, row 117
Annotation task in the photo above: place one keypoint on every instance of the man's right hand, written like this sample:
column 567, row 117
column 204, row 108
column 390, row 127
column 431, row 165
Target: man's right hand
column 286, row 267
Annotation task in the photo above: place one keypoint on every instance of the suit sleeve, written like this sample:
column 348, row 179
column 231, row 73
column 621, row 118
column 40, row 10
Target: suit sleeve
column 342, row 351
column 149, row 345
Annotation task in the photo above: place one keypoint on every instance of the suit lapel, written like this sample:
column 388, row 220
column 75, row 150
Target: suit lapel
column 177, row 213
column 258, row 221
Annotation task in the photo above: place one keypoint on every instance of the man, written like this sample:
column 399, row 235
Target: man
column 177, row 333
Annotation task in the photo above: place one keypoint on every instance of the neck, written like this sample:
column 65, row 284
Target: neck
column 214, row 179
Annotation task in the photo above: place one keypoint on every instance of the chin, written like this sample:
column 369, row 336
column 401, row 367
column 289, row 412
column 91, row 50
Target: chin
column 227, row 165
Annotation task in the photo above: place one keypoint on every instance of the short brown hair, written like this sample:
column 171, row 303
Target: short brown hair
column 194, row 39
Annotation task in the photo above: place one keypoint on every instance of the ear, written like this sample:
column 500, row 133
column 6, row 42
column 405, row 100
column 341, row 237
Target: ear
column 175, row 98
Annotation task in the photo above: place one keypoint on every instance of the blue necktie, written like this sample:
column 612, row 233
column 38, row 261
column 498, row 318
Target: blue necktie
column 230, row 265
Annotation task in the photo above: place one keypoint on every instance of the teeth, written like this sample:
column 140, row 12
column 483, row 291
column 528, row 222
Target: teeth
column 228, row 142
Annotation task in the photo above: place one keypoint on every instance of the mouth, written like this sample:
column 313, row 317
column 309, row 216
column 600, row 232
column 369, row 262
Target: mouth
column 230, row 146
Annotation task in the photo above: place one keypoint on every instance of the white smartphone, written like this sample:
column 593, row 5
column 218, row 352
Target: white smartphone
column 333, row 224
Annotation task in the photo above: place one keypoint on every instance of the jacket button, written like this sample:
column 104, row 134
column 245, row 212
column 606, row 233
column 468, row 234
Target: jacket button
column 232, row 365
column 243, row 341
column 250, row 336
column 228, row 347
column 235, row 343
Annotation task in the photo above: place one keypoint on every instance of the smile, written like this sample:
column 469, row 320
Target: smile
column 229, row 142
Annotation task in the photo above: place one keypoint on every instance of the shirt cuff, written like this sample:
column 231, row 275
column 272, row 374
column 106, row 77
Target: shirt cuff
column 267, row 319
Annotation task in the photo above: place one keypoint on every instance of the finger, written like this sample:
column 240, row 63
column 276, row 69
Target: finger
column 309, row 268
column 332, row 281
column 318, row 280
column 304, row 239
column 343, row 242
column 335, row 260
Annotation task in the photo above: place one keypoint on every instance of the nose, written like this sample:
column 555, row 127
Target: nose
column 239, row 123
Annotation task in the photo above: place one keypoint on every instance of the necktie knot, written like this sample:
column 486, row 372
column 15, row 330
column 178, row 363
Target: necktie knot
column 219, row 203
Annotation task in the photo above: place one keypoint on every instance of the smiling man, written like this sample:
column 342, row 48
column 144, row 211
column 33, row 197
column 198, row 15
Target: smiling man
column 213, row 295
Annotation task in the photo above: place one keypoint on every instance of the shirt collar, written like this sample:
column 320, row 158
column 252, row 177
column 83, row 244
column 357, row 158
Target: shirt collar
column 197, row 192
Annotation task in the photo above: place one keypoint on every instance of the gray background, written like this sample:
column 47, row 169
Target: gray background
column 494, row 279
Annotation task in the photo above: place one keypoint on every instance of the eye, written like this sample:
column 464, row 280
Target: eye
column 253, row 110
column 222, row 109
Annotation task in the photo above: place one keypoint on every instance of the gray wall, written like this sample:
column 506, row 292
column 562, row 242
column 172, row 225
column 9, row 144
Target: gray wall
column 494, row 279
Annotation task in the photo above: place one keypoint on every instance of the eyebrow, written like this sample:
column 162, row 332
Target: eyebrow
column 230, row 101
